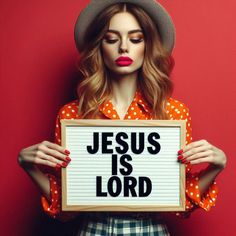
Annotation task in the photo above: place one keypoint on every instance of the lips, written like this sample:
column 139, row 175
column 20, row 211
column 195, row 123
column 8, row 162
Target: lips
column 123, row 61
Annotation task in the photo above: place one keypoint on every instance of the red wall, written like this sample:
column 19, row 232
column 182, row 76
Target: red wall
column 38, row 75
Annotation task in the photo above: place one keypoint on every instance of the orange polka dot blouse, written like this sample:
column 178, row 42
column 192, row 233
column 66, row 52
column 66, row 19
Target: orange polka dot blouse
column 138, row 110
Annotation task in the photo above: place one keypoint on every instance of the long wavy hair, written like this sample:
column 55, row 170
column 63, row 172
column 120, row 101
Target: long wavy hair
column 95, row 88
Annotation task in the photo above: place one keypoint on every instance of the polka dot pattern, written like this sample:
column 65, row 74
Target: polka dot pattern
column 53, row 208
column 138, row 110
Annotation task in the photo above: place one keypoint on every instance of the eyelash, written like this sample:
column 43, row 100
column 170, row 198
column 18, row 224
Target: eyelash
column 135, row 41
column 138, row 40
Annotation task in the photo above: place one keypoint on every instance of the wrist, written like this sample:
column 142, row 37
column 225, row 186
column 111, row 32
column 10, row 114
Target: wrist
column 221, row 162
column 24, row 164
column 27, row 166
column 219, row 167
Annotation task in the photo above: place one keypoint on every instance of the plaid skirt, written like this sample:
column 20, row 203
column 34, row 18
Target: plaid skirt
column 112, row 225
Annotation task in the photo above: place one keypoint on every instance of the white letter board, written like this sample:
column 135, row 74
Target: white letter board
column 111, row 181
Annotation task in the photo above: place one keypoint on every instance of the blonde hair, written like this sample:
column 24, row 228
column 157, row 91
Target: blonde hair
column 94, row 87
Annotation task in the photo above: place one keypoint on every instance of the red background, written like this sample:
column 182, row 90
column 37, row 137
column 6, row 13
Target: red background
column 38, row 75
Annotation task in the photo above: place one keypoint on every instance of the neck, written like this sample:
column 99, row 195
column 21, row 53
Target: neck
column 123, row 88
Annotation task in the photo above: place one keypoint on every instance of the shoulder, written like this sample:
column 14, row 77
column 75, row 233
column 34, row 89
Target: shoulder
column 177, row 109
column 69, row 110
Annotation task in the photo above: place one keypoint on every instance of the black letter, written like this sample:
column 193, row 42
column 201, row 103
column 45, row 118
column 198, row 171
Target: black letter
column 110, row 186
column 95, row 144
column 119, row 140
column 148, row 182
column 124, row 163
column 157, row 146
column 105, row 142
column 134, row 148
column 114, row 164
column 99, row 187
column 130, row 186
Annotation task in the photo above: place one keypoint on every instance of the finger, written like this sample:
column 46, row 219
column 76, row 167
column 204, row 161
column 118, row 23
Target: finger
column 195, row 145
column 199, row 155
column 36, row 157
column 55, row 146
column 52, row 152
column 196, row 150
column 201, row 160
column 40, row 161
column 49, row 159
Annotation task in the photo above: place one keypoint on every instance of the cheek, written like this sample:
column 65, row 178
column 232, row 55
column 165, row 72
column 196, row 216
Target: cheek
column 107, row 54
column 140, row 53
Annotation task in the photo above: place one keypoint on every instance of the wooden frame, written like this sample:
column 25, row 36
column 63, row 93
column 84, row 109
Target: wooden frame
column 125, row 204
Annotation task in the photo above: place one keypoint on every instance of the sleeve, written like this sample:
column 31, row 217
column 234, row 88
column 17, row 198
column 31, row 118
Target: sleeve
column 193, row 198
column 53, row 207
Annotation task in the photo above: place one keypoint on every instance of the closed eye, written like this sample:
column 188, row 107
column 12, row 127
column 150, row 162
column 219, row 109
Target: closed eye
column 138, row 40
column 111, row 41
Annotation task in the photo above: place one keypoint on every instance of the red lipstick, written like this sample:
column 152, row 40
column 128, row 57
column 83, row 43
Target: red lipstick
column 123, row 61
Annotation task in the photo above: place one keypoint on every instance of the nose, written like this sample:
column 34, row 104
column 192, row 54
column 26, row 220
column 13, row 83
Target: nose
column 123, row 46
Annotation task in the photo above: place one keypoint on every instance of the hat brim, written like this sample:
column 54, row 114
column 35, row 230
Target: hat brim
column 154, row 9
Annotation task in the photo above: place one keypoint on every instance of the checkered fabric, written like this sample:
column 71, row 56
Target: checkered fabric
column 112, row 226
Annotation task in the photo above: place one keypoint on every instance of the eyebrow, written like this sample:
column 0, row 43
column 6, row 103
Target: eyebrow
column 129, row 32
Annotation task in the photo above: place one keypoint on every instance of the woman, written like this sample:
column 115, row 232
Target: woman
column 125, row 66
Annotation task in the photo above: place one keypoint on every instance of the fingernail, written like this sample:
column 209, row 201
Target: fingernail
column 185, row 161
column 64, row 164
column 58, row 166
column 67, row 152
column 180, row 157
column 180, row 151
column 68, row 159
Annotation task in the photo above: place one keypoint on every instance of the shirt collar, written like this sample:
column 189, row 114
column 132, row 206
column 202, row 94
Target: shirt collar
column 141, row 101
column 109, row 110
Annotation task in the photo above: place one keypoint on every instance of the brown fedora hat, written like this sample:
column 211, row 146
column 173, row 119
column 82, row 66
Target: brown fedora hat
column 154, row 9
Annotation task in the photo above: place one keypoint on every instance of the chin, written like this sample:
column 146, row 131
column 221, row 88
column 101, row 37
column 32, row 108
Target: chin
column 125, row 70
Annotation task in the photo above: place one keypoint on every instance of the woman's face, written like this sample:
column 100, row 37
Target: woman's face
column 123, row 45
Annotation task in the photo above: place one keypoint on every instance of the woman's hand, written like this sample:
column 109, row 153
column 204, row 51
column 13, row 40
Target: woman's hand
column 44, row 153
column 202, row 152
